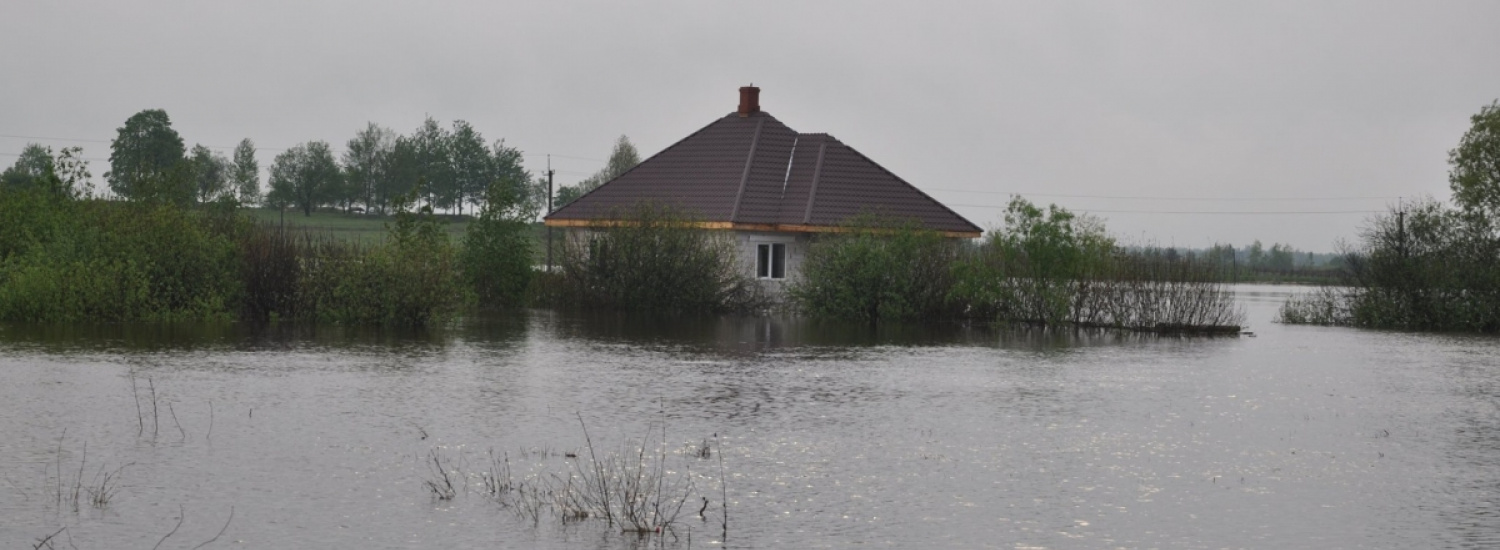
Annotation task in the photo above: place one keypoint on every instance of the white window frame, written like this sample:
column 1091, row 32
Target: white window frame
column 768, row 262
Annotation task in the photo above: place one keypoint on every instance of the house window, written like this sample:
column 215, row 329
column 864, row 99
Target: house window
column 770, row 261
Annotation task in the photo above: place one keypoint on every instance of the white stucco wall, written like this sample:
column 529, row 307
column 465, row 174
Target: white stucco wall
column 746, row 243
column 796, row 251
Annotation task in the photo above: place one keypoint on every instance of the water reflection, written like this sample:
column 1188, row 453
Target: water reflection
column 750, row 335
column 167, row 337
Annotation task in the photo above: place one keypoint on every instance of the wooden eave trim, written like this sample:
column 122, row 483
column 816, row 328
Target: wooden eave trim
column 733, row 226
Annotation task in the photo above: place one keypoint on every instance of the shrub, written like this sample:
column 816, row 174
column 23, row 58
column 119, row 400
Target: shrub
column 77, row 260
column 496, row 256
column 1424, row 267
column 411, row 279
column 877, row 270
column 1052, row 268
column 655, row 259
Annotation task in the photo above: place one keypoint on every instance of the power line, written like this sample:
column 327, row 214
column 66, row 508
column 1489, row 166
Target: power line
column 55, row 138
column 1213, row 212
column 84, row 158
column 81, row 140
column 84, row 140
column 1165, row 198
column 1237, row 213
column 575, row 158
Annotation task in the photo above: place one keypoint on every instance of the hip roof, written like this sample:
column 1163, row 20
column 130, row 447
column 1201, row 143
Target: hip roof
column 753, row 172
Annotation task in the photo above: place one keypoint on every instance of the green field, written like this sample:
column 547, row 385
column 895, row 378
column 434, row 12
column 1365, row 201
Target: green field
column 360, row 228
column 371, row 228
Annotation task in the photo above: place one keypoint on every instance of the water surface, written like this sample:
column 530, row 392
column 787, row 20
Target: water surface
column 833, row 436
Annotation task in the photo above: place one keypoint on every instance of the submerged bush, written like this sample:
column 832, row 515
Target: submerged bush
column 654, row 259
column 877, row 270
column 498, row 248
column 1036, row 268
column 65, row 260
column 1045, row 267
column 1052, row 268
column 95, row 260
column 411, row 279
column 1423, row 267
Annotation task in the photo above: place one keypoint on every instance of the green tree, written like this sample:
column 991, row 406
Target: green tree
column 211, row 173
column 399, row 172
column 496, row 256
column 621, row 159
column 365, row 163
column 877, row 271
column 245, row 173
column 506, row 167
column 1039, row 266
column 410, row 279
column 305, row 176
column 145, row 148
column 472, row 168
column 1475, row 164
column 430, row 144
column 31, row 169
column 72, row 172
column 659, row 262
column 1281, row 257
column 1256, row 255
column 566, row 194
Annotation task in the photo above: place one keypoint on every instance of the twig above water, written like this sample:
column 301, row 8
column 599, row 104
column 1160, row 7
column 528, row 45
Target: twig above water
column 221, row 530
column 174, row 420
column 47, row 540
column 181, row 514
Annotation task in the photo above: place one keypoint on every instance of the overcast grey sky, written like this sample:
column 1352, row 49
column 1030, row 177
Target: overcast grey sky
column 969, row 101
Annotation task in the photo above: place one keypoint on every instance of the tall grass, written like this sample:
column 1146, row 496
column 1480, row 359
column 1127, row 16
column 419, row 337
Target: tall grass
column 641, row 487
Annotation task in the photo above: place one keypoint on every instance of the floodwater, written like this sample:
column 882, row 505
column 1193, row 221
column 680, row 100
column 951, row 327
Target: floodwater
column 831, row 436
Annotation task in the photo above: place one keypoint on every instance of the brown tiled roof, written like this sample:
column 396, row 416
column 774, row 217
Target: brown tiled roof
column 754, row 172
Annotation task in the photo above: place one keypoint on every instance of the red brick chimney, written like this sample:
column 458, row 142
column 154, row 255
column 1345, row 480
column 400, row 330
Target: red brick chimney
column 749, row 100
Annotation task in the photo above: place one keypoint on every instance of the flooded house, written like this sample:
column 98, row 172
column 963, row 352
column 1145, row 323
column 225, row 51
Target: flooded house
column 773, row 188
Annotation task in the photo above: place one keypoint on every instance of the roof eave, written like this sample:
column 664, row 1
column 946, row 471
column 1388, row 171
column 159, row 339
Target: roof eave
column 739, row 226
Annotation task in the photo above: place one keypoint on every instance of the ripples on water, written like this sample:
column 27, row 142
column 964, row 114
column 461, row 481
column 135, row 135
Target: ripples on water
column 834, row 435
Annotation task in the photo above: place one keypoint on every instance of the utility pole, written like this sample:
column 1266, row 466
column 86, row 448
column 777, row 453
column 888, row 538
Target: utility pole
column 549, row 213
column 1401, row 227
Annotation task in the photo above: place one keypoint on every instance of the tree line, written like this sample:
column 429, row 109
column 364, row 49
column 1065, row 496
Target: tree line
column 449, row 169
